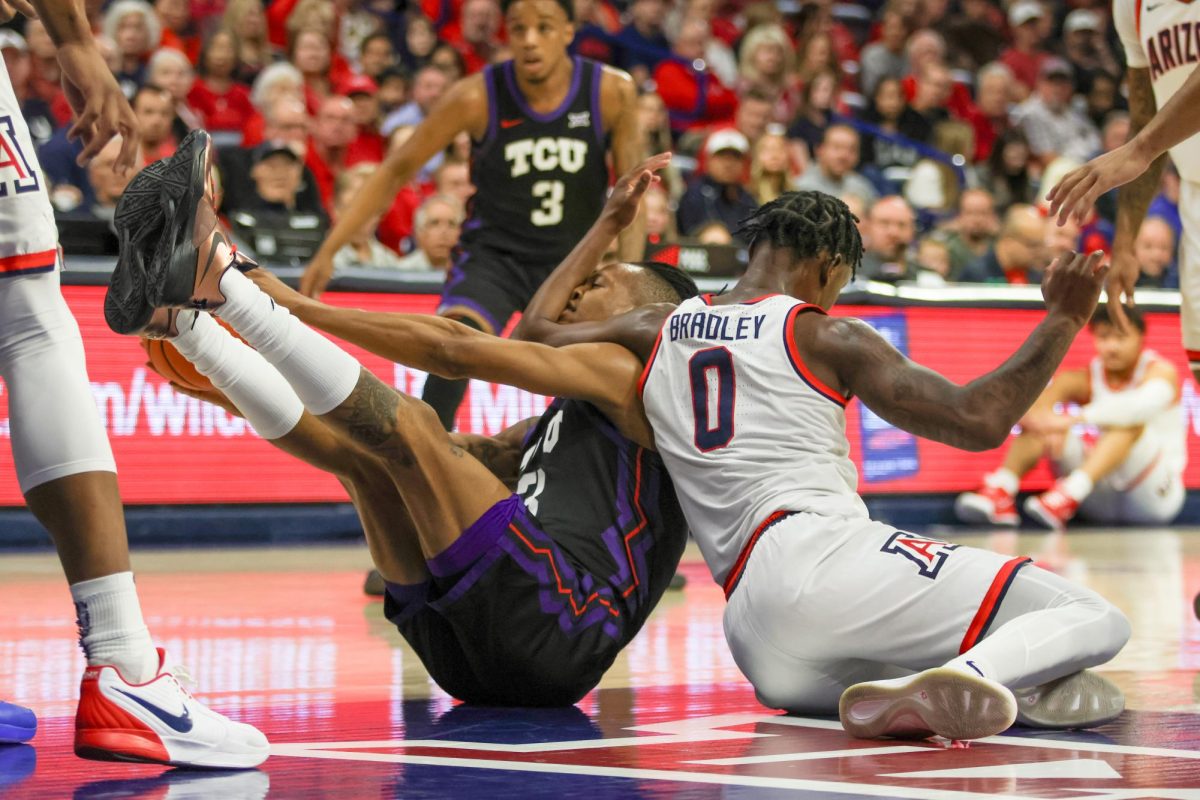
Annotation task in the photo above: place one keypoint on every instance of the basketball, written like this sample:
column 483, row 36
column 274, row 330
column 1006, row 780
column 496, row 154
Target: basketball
column 167, row 362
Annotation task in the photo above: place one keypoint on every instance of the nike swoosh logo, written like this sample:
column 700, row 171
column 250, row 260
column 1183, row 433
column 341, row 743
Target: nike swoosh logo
column 510, row 123
column 217, row 238
column 971, row 664
column 177, row 722
column 1153, row 7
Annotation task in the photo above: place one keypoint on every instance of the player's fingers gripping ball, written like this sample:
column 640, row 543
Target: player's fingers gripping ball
column 167, row 362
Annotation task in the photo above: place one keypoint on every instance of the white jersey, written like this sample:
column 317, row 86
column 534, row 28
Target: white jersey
column 1166, row 428
column 1163, row 36
column 745, row 429
column 28, row 236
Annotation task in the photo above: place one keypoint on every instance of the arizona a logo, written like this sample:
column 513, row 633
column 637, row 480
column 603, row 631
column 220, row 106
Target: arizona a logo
column 927, row 554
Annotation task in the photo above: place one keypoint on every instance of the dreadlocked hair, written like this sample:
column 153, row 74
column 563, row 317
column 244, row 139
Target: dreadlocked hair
column 809, row 223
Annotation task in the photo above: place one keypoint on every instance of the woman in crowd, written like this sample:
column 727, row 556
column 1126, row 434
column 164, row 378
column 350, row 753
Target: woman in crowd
column 1007, row 174
column 247, row 22
column 818, row 105
column 889, row 111
column 419, row 40
column 222, row 102
column 134, row 27
column 768, row 65
column 771, row 169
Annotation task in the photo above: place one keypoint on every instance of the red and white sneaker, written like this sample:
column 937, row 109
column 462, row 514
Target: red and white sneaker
column 1052, row 508
column 158, row 722
column 991, row 505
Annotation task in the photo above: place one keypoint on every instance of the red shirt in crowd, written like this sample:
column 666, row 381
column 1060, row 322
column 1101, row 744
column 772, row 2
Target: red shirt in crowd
column 189, row 46
column 1024, row 66
column 397, row 224
column 227, row 111
column 680, row 88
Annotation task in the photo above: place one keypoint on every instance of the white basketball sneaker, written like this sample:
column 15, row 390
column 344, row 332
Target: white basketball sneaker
column 1084, row 699
column 158, row 722
column 937, row 702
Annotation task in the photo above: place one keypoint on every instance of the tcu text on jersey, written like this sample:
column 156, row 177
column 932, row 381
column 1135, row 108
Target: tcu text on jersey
column 546, row 154
column 16, row 175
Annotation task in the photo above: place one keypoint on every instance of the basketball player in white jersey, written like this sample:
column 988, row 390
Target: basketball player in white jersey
column 1162, row 47
column 746, row 392
column 131, row 707
column 1114, row 433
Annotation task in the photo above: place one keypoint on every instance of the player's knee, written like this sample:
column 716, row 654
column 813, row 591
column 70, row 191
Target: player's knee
column 1115, row 631
column 796, row 698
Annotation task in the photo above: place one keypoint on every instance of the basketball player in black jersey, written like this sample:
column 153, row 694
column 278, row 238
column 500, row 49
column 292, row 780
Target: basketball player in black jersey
column 541, row 126
column 508, row 599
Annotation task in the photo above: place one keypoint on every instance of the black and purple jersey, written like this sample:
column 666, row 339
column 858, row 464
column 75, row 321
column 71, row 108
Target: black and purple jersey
column 540, row 179
column 532, row 603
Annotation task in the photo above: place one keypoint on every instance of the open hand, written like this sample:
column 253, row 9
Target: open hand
column 101, row 110
column 1079, row 189
column 622, row 206
column 1072, row 284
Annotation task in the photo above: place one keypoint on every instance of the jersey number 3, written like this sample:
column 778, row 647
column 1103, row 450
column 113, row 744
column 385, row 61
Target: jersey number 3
column 714, row 391
column 551, row 194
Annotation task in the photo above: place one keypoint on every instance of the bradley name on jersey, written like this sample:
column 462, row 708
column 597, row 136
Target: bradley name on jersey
column 546, row 154
column 1176, row 46
column 702, row 325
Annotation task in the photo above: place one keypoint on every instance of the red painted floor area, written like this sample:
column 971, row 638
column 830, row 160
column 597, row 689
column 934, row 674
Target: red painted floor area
column 286, row 641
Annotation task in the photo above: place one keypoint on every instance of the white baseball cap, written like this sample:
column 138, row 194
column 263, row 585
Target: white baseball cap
column 1082, row 19
column 727, row 139
column 1024, row 11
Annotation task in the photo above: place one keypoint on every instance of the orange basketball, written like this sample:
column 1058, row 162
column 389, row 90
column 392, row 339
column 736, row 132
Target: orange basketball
column 167, row 362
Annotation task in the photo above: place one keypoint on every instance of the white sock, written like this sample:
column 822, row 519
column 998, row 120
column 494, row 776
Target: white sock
column 322, row 374
column 255, row 387
column 1078, row 485
column 1004, row 479
column 111, row 629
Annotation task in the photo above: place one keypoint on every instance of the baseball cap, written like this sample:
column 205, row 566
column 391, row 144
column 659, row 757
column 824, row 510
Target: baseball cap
column 1082, row 19
column 727, row 139
column 10, row 38
column 273, row 147
column 357, row 84
column 1055, row 67
column 1025, row 11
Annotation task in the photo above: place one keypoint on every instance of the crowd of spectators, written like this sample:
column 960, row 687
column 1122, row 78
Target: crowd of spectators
column 941, row 122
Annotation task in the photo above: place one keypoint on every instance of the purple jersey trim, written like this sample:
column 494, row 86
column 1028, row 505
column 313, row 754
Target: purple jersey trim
column 489, row 81
column 476, row 540
column 510, row 79
column 597, row 116
column 449, row 301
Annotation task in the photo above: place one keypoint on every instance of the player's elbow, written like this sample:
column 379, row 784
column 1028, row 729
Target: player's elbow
column 977, row 433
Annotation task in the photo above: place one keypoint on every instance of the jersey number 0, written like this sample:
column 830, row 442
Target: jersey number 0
column 714, row 391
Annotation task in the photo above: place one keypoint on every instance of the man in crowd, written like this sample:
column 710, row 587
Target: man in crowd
column 1018, row 254
column 155, row 110
column 719, row 194
column 1055, row 128
column 436, row 228
column 891, row 229
column 972, row 232
column 834, row 174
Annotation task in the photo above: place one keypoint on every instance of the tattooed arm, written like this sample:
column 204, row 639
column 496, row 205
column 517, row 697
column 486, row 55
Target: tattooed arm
column 978, row 416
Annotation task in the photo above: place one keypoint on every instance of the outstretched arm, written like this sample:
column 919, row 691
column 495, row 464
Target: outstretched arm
column 539, row 322
column 979, row 415
column 463, row 107
column 603, row 374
